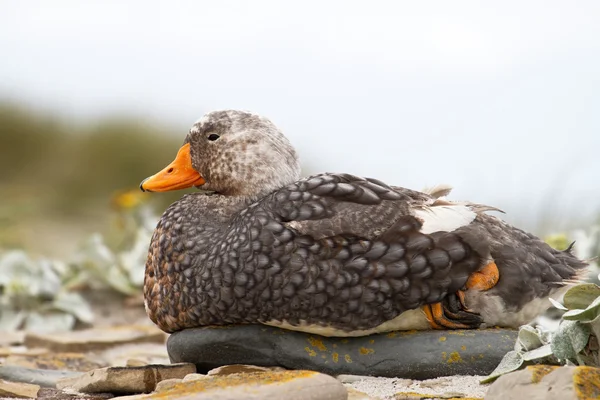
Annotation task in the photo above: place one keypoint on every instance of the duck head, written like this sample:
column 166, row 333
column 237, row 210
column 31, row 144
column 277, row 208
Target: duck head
column 233, row 153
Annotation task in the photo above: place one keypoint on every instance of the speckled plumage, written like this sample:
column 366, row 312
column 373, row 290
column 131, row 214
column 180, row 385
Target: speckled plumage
column 332, row 250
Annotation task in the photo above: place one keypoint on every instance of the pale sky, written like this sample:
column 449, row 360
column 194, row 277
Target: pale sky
column 500, row 100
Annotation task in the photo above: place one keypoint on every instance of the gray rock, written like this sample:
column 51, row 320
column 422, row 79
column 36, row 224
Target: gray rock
column 414, row 354
column 18, row 390
column 125, row 380
column 42, row 377
column 543, row 382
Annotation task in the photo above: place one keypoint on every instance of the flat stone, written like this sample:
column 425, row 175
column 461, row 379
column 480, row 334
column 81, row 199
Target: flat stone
column 18, row 390
column 125, row 380
column 55, row 361
column 42, row 377
column 241, row 369
column 95, row 339
column 275, row 385
column 412, row 354
column 55, row 394
column 547, row 382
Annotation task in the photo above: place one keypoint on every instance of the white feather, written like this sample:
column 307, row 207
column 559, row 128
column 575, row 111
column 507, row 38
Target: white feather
column 446, row 218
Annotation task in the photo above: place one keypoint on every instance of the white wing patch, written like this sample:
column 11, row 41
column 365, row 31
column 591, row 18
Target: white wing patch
column 446, row 218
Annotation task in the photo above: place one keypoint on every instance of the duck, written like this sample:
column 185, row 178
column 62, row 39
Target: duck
column 331, row 254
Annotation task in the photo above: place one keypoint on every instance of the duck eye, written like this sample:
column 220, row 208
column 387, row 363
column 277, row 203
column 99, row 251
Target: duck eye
column 213, row 137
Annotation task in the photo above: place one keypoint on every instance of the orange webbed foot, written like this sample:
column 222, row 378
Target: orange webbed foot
column 450, row 314
column 484, row 279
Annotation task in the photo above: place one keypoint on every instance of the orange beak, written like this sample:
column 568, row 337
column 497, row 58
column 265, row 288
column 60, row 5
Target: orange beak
column 178, row 175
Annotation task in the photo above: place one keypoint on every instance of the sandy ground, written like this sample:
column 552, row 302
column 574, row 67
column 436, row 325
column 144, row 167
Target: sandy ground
column 452, row 386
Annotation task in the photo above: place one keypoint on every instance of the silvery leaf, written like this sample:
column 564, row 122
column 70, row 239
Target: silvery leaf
column 512, row 361
column 74, row 304
column 11, row 320
column 51, row 322
column 570, row 338
column 538, row 353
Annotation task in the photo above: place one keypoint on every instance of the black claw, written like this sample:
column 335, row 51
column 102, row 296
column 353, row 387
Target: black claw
column 454, row 312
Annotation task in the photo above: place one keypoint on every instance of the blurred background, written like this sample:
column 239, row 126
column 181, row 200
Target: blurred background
column 501, row 101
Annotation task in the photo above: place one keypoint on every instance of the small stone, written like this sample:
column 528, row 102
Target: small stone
column 125, row 380
column 288, row 385
column 424, row 354
column 95, row 339
column 134, row 362
column 166, row 384
column 18, row 389
column 42, row 377
column 241, row 369
column 547, row 382
column 195, row 377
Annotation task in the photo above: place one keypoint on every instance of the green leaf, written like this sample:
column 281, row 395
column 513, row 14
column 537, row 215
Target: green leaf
column 47, row 323
column 11, row 320
column 74, row 304
column 581, row 296
column 570, row 338
column 538, row 353
column 587, row 315
column 529, row 338
column 512, row 361
column 557, row 304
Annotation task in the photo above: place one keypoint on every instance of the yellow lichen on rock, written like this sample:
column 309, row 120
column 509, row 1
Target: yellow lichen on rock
column 454, row 358
column 318, row 343
column 310, row 351
column 539, row 371
column 228, row 381
column 587, row 382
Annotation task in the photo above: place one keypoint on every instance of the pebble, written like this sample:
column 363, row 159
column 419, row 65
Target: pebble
column 18, row 389
column 194, row 377
column 125, row 380
column 547, row 382
column 95, row 339
column 412, row 354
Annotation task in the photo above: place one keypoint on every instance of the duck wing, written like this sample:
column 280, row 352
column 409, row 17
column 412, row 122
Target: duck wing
column 365, row 249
